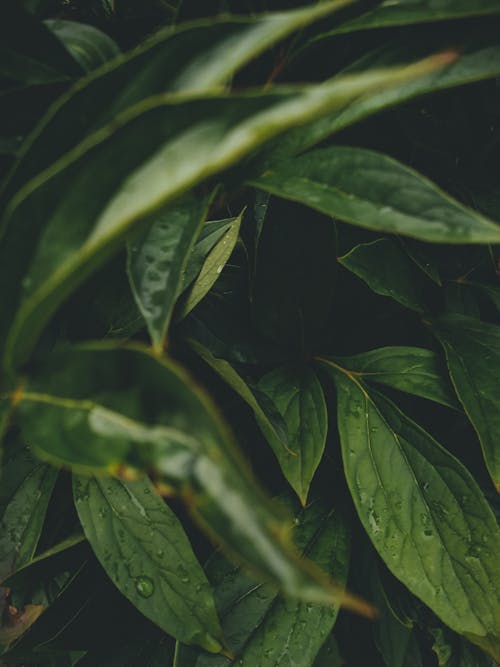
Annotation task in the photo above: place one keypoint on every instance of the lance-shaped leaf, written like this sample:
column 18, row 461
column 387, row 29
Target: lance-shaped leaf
column 105, row 406
column 266, row 412
column 143, row 548
column 157, row 151
column 372, row 190
column 479, row 59
column 26, row 489
column 390, row 13
column 298, row 396
column 409, row 369
column 89, row 46
column 388, row 271
column 472, row 351
column 197, row 56
column 261, row 627
column 212, row 267
column 157, row 260
column 422, row 510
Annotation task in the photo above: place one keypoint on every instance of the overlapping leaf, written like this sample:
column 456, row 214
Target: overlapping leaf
column 297, row 394
column 104, row 407
column 144, row 549
column 264, row 629
column 423, row 512
column 189, row 140
column 409, row 369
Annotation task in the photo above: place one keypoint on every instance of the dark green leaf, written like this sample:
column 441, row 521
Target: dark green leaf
column 195, row 57
column 472, row 350
column 329, row 656
column 264, row 629
column 89, row 46
column 409, row 369
column 372, row 190
column 27, row 486
column 150, row 414
column 479, row 59
column 388, row 271
column 157, row 260
column 116, row 179
column 297, row 394
column 390, row 13
column 144, row 549
column 422, row 510
column 418, row 255
column 211, row 268
column 492, row 293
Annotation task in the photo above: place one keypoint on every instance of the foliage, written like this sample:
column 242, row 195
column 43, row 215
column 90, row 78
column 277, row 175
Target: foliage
column 249, row 333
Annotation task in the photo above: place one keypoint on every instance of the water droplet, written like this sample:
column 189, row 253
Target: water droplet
column 144, row 586
column 219, row 269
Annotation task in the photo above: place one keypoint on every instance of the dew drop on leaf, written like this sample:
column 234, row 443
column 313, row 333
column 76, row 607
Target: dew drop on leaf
column 144, row 586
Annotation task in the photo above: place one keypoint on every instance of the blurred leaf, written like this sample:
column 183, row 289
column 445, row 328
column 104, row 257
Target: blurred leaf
column 89, row 46
column 264, row 629
column 472, row 350
column 130, row 407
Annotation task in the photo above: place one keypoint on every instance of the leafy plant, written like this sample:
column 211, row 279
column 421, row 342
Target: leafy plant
column 250, row 302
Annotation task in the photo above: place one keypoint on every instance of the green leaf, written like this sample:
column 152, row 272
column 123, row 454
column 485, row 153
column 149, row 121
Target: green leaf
column 417, row 253
column 390, row 13
column 479, row 59
column 211, row 233
column 410, row 369
column 199, row 56
column 388, row 271
column 107, row 406
column 26, row 489
column 297, row 394
column 143, row 548
column 492, row 293
column 423, row 512
column 211, row 268
column 472, row 351
column 264, row 629
column 372, row 190
column 191, row 140
column 268, row 417
column 157, row 260
column 89, row 46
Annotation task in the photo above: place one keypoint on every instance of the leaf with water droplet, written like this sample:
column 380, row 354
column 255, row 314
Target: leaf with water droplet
column 142, row 564
column 420, row 545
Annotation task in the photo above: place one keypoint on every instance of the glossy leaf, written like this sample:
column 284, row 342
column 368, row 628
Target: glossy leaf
column 297, row 394
column 211, row 233
column 143, row 548
column 422, row 510
column 410, row 369
column 191, row 140
column 197, row 57
column 149, row 414
column 390, row 13
column 372, row 190
column 157, row 260
column 472, row 351
column 211, row 268
column 264, row 629
column 89, row 46
column 27, row 487
column 388, row 271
